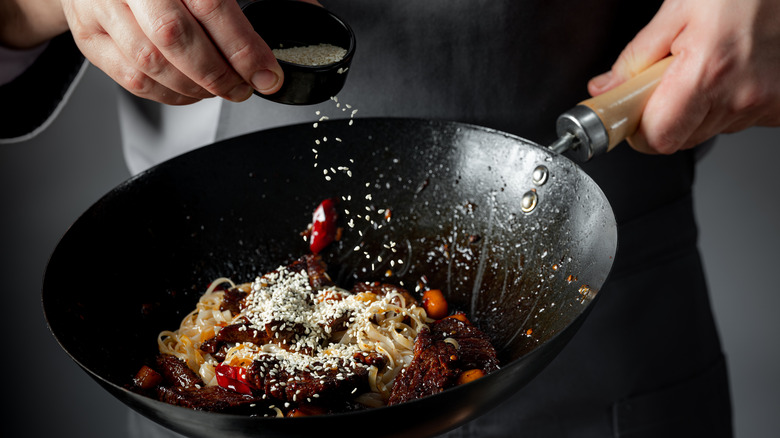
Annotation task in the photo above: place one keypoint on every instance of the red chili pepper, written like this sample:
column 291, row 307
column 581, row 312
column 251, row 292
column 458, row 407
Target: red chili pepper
column 233, row 378
column 323, row 226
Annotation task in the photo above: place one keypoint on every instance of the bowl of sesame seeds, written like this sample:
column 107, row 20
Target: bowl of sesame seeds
column 314, row 47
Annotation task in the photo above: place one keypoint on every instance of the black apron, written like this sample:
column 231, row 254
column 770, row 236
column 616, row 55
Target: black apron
column 647, row 361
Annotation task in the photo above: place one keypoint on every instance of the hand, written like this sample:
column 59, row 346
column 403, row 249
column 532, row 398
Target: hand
column 724, row 77
column 175, row 51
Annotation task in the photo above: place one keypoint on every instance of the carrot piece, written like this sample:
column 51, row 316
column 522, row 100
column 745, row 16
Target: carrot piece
column 434, row 303
column 460, row 316
column 469, row 376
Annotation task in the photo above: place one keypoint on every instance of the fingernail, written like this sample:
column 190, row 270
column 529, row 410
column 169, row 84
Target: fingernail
column 265, row 80
column 602, row 80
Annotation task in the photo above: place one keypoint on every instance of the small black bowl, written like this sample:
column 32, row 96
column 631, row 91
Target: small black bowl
column 286, row 24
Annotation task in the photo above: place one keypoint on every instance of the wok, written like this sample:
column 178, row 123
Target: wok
column 136, row 262
column 515, row 234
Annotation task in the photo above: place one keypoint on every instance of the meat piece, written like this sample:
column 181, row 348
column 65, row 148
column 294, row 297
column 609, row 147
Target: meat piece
column 147, row 378
column 176, row 373
column 285, row 334
column 433, row 369
column 474, row 347
column 337, row 324
column 317, row 271
column 241, row 332
column 330, row 385
column 209, row 398
column 244, row 332
column 441, row 352
column 232, row 299
column 370, row 359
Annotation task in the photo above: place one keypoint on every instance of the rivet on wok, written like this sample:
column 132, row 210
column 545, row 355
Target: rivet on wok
column 529, row 201
column 540, row 175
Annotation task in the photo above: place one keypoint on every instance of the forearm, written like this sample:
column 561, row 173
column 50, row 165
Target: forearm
column 28, row 23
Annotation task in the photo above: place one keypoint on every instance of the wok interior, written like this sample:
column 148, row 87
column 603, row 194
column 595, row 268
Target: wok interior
column 137, row 261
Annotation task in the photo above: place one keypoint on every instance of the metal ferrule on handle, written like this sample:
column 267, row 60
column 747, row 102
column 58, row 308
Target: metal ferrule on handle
column 583, row 129
column 598, row 124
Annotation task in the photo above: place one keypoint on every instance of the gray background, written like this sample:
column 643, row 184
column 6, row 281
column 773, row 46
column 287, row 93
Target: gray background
column 47, row 182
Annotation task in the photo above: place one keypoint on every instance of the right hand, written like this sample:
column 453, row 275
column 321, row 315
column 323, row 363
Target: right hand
column 175, row 51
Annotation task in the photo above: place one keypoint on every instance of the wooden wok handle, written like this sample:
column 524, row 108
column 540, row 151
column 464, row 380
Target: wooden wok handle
column 620, row 109
column 601, row 122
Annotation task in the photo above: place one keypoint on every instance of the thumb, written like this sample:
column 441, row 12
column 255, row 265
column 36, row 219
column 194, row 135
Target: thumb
column 650, row 45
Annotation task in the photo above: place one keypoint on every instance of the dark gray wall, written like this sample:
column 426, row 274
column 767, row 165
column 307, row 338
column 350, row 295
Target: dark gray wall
column 45, row 183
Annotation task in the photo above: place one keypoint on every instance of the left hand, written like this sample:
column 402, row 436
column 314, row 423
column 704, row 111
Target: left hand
column 724, row 78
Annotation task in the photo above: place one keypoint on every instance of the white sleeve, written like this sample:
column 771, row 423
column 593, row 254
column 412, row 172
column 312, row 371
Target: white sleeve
column 152, row 132
column 36, row 84
column 15, row 62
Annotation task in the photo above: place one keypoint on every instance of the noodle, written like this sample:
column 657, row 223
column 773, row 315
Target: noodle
column 282, row 302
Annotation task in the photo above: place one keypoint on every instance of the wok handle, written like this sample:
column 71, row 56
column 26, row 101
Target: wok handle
column 600, row 123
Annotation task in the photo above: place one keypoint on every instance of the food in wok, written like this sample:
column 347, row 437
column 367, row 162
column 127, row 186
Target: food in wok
column 293, row 343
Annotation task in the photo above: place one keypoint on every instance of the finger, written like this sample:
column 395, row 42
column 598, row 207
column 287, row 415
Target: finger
column 650, row 45
column 183, row 42
column 105, row 55
column 676, row 109
column 139, row 51
column 243, row 48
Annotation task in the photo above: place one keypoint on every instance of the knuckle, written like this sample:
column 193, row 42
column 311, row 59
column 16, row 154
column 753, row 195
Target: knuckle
column 751, row 96
column 243, row 52
column 204, row 9
column 219, row 81
column 169, row 30
column 149, row 59
column 81, row 33
column 138, row 83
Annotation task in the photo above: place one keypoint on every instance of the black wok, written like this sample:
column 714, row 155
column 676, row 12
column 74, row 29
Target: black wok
column 136, row 262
